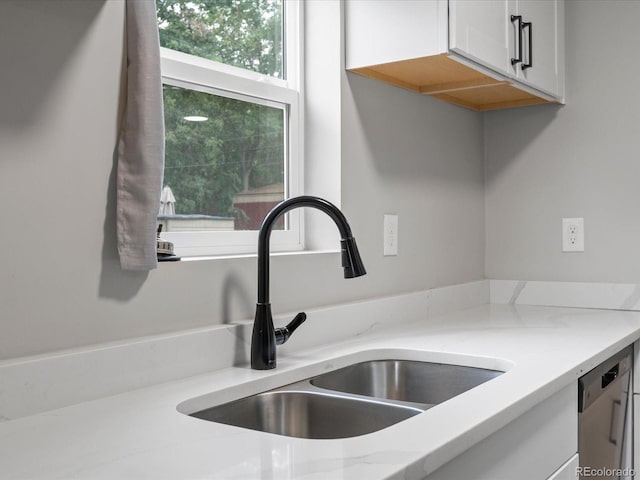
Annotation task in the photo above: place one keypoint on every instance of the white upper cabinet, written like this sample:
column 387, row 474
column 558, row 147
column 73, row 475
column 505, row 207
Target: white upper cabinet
column 536, row 31
column 481, row 54
column 478, row 30
column 383, row 31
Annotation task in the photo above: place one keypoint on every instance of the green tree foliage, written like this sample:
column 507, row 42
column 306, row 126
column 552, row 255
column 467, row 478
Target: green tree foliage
column 241, row 145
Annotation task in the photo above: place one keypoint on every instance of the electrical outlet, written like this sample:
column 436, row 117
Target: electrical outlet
column 573, row 234
column 390, row 235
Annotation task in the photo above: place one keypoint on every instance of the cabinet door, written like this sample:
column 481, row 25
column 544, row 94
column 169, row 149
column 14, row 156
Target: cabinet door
column 385, row 31
column 478, row 30
column 569, row 471
column 531, row 447
column 541, row 43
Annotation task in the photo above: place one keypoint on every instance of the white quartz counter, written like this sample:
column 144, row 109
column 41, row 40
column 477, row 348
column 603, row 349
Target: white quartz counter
column 140, row 435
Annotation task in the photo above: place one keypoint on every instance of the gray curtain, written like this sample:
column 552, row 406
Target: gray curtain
column 141, row 142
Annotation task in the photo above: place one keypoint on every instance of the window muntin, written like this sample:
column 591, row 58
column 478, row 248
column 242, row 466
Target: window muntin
column 200, row 87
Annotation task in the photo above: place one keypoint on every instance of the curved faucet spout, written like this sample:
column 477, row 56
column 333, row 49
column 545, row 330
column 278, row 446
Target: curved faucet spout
column 263, row 341
column 351, row 260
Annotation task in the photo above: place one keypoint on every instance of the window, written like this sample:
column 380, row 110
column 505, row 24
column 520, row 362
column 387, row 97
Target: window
column 231, row 79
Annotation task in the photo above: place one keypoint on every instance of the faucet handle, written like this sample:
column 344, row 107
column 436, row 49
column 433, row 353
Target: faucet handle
column 283, row 334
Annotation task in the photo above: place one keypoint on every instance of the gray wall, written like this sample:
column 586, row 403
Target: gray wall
column 580, row 160
column 60, row 283
column 419, row 158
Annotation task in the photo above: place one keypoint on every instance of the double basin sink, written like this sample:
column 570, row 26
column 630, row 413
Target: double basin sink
column 355, row 400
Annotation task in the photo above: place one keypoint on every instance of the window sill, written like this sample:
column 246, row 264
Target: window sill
column 254, row 255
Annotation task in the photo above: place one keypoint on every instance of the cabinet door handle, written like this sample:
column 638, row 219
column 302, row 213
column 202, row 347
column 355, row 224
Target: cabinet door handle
column 518, row 59
column 529, row 63
column 613, row 437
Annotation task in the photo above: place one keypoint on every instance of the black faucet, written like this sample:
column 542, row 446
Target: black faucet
column 265, row 337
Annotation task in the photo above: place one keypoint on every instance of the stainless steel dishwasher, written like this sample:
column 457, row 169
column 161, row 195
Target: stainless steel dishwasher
column 604, row 419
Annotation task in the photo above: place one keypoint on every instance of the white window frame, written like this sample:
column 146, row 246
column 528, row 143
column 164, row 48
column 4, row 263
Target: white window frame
column 200, row 74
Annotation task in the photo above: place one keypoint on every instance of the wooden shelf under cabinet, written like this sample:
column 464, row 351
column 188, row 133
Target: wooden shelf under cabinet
column 447, row 79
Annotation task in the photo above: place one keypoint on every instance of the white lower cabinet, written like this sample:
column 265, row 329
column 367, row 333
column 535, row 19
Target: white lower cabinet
column 540, row 444
column 569, row 471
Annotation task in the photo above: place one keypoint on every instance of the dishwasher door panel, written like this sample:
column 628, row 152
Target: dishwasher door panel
column 602, row 425
column 605, row 408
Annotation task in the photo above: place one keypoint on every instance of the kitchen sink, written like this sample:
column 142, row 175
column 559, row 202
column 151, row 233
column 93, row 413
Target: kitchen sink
column 306, row 414
column 405, row 380
column 351, row 401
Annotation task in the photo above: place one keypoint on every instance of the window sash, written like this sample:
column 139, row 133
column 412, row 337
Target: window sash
column 204, row 75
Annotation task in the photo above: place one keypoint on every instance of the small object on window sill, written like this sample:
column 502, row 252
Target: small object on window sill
column 164, row 249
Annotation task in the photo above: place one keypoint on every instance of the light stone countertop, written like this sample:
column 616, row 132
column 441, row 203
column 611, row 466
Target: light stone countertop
column 140, row 434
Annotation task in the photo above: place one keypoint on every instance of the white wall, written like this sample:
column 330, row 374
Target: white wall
column 580, row 160
column 60, row 283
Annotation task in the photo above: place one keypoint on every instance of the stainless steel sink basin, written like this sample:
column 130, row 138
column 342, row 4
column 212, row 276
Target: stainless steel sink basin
column 355, row 400
column 405, row 380
column 307, row 414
